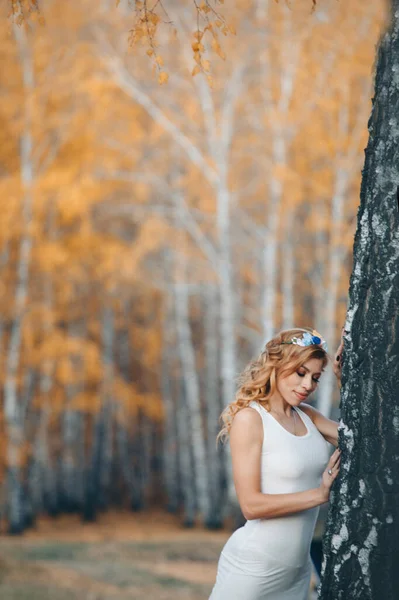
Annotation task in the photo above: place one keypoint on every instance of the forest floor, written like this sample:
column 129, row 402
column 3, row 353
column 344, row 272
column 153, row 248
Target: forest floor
column 123, row 556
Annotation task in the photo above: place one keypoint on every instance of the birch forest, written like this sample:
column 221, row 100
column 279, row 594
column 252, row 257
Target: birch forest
column 168, row 204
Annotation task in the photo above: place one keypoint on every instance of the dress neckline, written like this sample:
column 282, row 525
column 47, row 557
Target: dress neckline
column 299, row 413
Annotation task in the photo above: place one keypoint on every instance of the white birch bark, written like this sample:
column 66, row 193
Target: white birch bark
column 214, row 407
column 45, row 460
column 186, row 462
column 288, row 275
column 12, row 409
column 108, row 336
column 192, row 397
column 72, row 431
column 219, row 149
column 170, row 434
column 361, row 539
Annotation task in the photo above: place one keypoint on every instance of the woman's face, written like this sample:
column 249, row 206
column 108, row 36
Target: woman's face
column 296, row 388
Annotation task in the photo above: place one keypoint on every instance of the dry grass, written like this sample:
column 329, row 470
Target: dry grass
column 122, row 557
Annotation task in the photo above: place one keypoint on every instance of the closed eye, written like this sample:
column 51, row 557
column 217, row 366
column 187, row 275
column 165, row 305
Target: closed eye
column 303, row 375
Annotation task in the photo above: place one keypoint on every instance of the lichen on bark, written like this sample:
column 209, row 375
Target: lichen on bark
column 361, row 543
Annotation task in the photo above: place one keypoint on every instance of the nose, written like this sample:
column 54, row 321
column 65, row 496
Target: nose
column 307, row 383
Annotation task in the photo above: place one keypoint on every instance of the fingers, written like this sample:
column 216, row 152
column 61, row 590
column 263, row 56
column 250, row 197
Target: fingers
column 335, row 470
column 334, row 464
column 335, row 460
column 338, row 354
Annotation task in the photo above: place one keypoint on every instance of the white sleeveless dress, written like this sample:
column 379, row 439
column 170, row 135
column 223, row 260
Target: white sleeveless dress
column 269, row 559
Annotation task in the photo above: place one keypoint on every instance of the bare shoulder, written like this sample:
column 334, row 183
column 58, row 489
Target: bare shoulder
column 247, row 417
column 247, row 422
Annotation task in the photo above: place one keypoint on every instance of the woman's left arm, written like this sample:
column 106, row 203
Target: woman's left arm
column 327, row 427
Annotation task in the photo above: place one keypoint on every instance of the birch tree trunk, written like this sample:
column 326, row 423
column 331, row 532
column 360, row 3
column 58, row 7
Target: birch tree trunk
column 362, row 538
column 288, row 258
column 72, row 431
column 215, row 454
column 170, row 437
column 108, row 335
column 4, row 259
column 27, row 418
column 12, row 408
column 186, row 466
column 141, row 455
column 192, row 398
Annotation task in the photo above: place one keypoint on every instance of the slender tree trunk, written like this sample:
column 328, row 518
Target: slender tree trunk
column 123, row 416
column 288, row 271
column 141, row 453
column 92, row 469
column 170, row 439
column 72, row 453
column 362, row 538
column 186, row 466
column 195, row 423
column 27, row 418
column 228, row 369
column 107, row 455
column 213, row 409
column 12, row 408
column 4, row 258
column 51, row 492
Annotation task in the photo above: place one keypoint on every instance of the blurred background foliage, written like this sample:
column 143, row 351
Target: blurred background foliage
column 153, row 237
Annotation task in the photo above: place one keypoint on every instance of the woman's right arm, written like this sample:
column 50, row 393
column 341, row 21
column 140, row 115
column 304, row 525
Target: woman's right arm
column 246, row 438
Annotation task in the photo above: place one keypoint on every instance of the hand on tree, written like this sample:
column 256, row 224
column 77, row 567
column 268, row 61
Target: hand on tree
column 330, row 474
column 337, row 364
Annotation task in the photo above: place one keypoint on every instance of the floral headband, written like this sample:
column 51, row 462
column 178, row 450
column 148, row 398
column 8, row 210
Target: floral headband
column 308, row 339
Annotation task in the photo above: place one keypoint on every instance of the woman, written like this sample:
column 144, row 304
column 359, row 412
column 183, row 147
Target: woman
column 281, row 467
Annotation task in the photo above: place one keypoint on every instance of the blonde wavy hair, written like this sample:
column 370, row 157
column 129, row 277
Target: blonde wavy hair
column 258, row 381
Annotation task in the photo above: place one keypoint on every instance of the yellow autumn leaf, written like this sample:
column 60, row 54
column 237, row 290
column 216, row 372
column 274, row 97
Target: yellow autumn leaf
column 163, row 78
column 196, row 70
column 220, row 53
column 154, row 18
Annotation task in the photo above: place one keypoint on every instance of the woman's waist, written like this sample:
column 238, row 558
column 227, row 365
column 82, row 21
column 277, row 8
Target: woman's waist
column 284, row 540
column 289, row 486
column 289, row 536
column 301, row 520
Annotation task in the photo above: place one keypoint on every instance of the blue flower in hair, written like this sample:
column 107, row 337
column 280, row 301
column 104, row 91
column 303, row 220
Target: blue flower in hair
column 307, row 339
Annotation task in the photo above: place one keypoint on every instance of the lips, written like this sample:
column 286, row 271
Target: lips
column 301, row 396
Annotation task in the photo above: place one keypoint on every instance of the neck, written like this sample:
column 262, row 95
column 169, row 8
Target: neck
column 280, row 407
